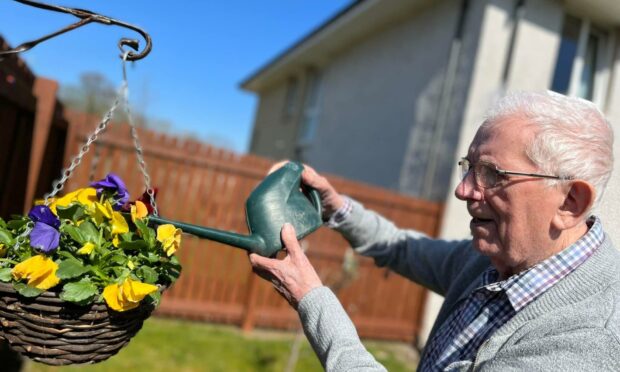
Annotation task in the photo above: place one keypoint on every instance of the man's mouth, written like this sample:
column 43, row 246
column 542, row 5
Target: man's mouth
column 480, row 221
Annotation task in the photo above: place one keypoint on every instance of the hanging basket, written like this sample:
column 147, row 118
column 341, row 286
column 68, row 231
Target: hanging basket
column 52, row 331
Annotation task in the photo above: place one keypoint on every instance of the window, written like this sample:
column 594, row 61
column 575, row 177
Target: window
column 310, row 117
column 583, row 61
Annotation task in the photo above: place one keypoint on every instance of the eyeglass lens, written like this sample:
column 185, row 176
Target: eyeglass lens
column 484, row 174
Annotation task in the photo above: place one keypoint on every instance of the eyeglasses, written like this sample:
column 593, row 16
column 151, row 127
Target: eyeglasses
column 487, row 175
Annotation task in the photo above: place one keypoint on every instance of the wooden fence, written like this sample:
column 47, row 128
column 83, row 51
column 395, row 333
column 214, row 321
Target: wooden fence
column 207, row 186
column 17, row 112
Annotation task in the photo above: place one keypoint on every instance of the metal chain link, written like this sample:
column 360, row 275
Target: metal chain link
column 58, row 185
column 21, row 239
column 139, row 151
column 95, row 162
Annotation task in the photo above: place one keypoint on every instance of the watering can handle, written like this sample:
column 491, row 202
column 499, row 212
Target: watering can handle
column 315, row 198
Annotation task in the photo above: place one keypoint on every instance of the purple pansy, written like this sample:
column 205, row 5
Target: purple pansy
column 113, row 183
column 45, row 235
column 42, row 213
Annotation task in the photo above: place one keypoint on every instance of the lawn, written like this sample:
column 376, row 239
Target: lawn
column 174, row 345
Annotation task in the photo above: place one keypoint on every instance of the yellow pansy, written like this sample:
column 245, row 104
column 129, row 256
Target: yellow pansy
column 101, row 212
column 126, row 296
column 115, row 241
column 138, row 211
column 86, row 248
column 119, row 225
column 86, row 196
column 40, row 271
column 3, row 250
column 170, row 238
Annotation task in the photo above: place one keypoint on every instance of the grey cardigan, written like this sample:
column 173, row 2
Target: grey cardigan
column 573, row 326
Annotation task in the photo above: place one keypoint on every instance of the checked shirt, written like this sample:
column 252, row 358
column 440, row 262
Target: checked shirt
column 495, row 302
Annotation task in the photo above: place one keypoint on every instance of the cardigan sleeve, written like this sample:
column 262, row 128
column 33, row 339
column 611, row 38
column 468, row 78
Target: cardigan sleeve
column 433, row 263
column 332, row 334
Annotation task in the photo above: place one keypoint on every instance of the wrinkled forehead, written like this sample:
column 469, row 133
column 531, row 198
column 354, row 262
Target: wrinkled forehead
column 509, row 135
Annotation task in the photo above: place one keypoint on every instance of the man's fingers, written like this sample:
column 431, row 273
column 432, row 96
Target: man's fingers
column 289, row 238
column 262, row 263
column 277, row 166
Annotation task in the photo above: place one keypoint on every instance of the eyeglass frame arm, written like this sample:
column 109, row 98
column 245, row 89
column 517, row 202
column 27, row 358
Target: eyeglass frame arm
column 86, row 17
column 503, row 172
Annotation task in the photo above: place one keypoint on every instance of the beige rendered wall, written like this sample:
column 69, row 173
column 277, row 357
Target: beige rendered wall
column 379, row 90
column 609, row 209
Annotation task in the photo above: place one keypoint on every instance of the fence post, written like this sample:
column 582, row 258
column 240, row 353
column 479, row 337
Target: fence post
column 247, row 323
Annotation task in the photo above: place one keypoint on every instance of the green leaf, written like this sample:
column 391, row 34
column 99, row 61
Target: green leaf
column 82, row 292
column 146, row 232
column 152, row 257
column 73, row 212
column 6, row 237
column 90, row 232
column 27, row 291
column 116, row 258
column 70, row 268
column 133, row 246
column 74, row 232
column 5, row 274
column 155, row 297
column 16, row 224
column 147, row 274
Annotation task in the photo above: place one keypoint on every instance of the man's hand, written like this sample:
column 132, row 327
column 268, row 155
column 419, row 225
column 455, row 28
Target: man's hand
column 331, row 200
column 292, row 276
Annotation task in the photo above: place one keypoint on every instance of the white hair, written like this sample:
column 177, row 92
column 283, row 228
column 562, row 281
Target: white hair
column 573, row 138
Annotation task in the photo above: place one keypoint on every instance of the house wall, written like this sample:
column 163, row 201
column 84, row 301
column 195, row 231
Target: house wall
column 380, row 98
column 274, row 134
column 609, row 209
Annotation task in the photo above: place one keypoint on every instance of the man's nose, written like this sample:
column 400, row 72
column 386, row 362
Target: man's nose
column 467, row 189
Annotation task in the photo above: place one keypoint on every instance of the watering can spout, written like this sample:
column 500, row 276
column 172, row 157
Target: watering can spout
column 278, row 199
column 250, row 243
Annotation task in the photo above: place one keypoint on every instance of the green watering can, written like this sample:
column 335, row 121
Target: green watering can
column 276, row 200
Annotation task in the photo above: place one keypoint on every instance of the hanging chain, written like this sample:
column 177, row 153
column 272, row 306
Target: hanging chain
column 58, row 185
column 21, row 239
column 123, row 94
column 95, row 162
column 136, row 142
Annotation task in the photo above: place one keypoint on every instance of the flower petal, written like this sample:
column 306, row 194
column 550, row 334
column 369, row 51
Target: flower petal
column 115, row 184
column 87, row 196
column 111, row 294
column 42, row 213
column 86, row 248
column 40, row 271
column 165, row 232
column 44, row 237
column 135, row 291
column 119, row 225
column 138, row 211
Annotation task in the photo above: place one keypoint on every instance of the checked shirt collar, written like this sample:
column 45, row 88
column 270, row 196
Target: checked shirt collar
column 525, row 287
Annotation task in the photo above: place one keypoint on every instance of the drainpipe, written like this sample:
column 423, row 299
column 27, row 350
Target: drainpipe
column 517, row 15
column 444, row 102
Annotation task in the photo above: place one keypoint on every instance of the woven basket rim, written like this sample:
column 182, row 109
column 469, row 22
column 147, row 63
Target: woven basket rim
column 7, row 288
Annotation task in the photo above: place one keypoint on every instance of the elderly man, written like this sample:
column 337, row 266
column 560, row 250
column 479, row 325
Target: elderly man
column 538, row 285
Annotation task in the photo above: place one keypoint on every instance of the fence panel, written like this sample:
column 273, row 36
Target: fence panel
column 207, row 186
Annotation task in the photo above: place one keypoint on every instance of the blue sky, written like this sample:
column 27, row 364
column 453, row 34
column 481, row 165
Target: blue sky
column 202, row 50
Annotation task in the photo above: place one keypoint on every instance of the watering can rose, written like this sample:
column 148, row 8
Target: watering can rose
column 82, row 246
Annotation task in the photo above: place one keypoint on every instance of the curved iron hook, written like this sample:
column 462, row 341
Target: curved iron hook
column 86, row 17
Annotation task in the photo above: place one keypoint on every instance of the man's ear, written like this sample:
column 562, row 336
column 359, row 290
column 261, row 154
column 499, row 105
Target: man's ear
column 577, row 202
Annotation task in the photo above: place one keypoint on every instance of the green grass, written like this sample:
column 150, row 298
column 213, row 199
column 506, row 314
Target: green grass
column 173, row 345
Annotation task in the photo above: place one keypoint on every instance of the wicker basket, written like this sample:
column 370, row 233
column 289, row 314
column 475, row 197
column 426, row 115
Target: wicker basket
column 52, row 331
